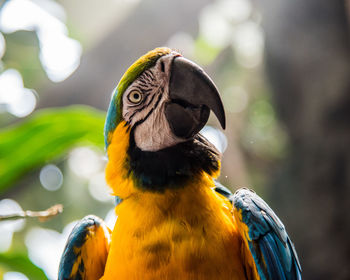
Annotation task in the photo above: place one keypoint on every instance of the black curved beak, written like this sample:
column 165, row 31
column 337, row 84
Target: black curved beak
column 192, row 95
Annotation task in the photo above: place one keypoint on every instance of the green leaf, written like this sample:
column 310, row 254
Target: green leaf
column 21, row 263
column 46, row 135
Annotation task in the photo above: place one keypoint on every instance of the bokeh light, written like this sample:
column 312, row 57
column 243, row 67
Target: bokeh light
column 99, row 189
column 59, row 54
column 215, row 29
column 18, row 101
column 13, row 275
column 45, row 247
column 248, row 43
column 182, row 42
column 236, row 99
column 235, row 10
column 51, row 177
column 85, row 162
column 7, row 228
column 11, row 86
column 24, row 105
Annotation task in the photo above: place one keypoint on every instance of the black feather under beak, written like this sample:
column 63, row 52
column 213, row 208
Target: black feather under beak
column 193, row 94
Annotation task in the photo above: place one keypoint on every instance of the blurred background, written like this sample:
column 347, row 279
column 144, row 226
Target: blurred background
column 282, row 68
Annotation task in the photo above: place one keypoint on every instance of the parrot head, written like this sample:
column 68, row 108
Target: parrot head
column 164, row 100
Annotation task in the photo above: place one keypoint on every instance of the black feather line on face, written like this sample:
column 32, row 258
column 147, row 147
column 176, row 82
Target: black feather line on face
column 143, row 107
column 146, row 79
column 151, row 99
column 149, row 113
column 149, row 75
column 171, row 167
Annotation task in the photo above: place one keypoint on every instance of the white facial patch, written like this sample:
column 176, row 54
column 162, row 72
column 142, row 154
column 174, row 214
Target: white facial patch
column 147, row 113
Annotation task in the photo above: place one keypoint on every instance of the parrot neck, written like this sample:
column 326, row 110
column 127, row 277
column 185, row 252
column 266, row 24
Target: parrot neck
column 130, row 169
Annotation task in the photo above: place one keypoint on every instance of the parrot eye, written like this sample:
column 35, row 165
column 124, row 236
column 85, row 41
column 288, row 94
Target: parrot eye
column 135, row 97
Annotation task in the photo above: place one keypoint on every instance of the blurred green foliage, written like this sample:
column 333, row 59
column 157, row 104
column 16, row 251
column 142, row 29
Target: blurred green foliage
column 20, row 262
column 22, row 148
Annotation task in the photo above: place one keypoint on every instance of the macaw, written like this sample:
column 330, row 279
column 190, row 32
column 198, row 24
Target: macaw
column 175, row 221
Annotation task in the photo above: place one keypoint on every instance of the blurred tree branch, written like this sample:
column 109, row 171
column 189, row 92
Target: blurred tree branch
column 41, row 215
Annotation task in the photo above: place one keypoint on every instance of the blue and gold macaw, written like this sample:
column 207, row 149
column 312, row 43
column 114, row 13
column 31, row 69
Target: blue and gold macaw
column 174, row 220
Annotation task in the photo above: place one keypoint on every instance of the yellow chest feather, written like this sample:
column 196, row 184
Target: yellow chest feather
column 184, row 234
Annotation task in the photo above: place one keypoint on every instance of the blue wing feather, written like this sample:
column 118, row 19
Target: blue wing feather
column 269, row 244
column 272, row 257
column 85, row 236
